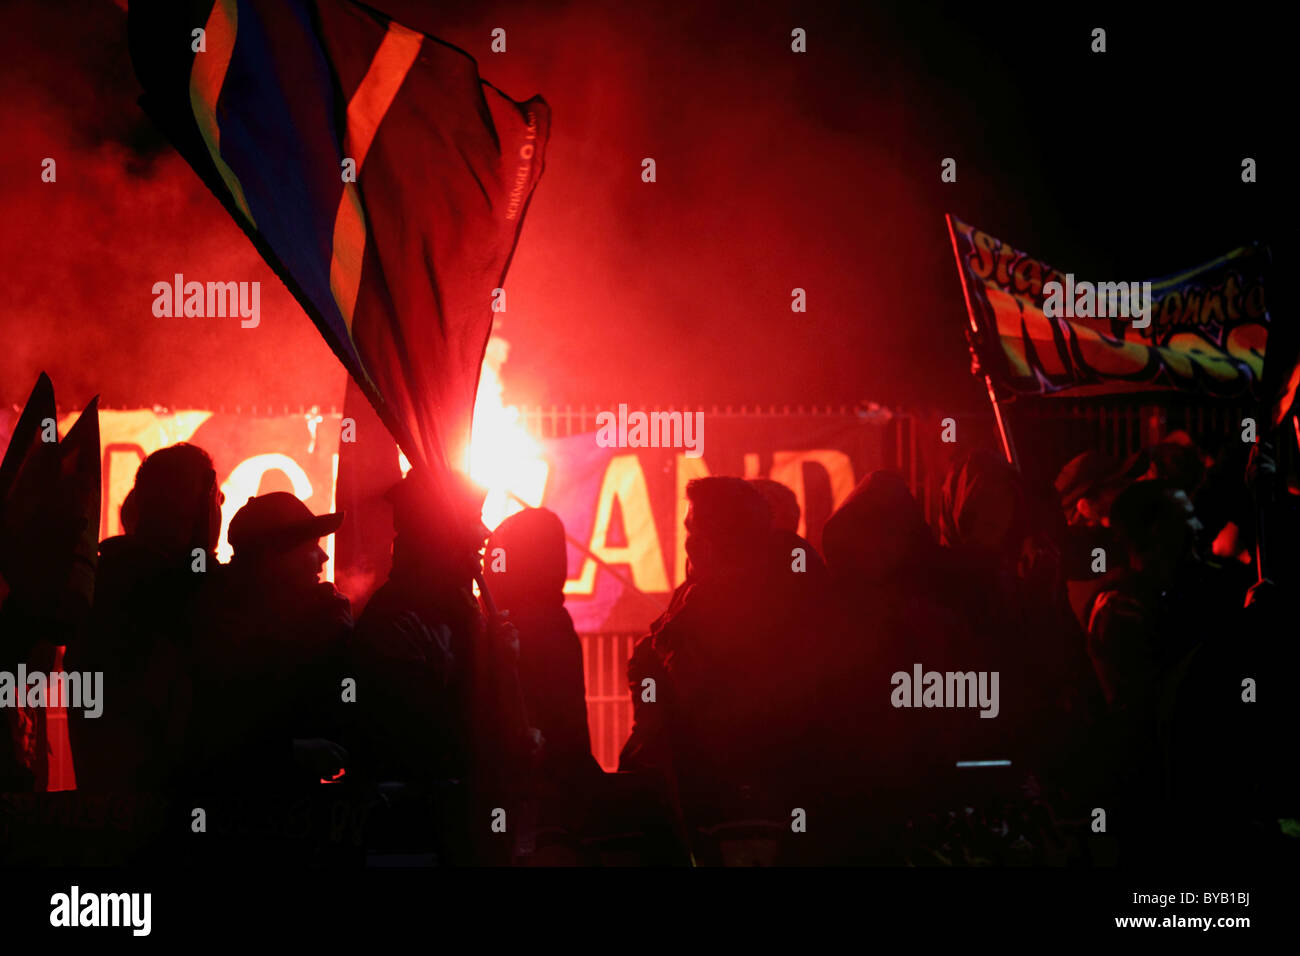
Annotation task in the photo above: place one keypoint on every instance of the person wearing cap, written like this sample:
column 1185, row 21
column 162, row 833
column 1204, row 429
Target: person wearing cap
column 276, row 536
column 1087, row 487
column 270, row 655
column 1089, row 483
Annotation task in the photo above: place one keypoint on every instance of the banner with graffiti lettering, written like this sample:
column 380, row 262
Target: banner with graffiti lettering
column 1038, row 331
column 623, row 507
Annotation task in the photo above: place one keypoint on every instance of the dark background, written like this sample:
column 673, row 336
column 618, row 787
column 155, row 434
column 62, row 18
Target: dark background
column 775, row 170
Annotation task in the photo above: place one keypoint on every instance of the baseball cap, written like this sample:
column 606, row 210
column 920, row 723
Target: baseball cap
column 276, row 522
column 1091, row 471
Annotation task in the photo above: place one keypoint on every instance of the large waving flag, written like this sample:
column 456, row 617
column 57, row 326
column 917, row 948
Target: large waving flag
column 381, row 178
column 1206, row 331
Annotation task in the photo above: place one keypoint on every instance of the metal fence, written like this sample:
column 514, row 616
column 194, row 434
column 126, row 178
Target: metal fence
column 561, row 421
column 609, row 705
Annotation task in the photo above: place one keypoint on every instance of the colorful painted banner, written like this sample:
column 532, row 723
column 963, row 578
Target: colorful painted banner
column 1038, row 331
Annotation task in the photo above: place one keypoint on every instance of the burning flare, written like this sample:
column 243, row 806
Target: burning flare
column 502, row 456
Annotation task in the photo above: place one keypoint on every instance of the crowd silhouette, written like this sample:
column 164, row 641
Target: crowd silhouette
column 1122, row 616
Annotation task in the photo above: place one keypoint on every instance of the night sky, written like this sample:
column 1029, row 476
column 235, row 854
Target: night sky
column 775, row 170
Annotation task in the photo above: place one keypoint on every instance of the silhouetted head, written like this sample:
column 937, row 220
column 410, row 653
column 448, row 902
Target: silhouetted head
column 1089, row 483
column 782, row 502
column 276, row 537
column 878, row 531
column 727, row 526
column 983, row 505
column 175, row 505
column 438, row 529
column 1178, row 461
column 1158, row 528
column 526, row 560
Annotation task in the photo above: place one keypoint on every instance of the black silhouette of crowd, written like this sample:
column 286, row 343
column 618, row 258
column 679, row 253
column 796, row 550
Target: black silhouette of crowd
column 1138, row 710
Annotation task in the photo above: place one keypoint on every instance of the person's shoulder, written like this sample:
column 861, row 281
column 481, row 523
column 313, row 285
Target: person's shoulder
column 116, row 547
column 1116, row 606
column 646, row 652
column 383, row 606
column 550, row 621
column 123, row 562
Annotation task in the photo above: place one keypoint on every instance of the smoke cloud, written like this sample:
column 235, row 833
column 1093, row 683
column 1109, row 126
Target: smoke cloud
column 775, row 171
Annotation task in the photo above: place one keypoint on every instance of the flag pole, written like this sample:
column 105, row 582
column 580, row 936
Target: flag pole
column 1004, row 426
column 999, row 413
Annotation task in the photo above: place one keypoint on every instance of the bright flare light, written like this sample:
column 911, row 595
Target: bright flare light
column 503, row 457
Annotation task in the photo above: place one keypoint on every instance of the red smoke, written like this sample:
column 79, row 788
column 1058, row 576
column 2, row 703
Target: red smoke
column 775, row 170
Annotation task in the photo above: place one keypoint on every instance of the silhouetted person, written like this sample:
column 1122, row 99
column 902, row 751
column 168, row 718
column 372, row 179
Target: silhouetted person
column 526, row 564
column 886, row 571
column 1007, row 583
column 1221, row 746
column 269, row 655
column 439, row 694
column 1132, row 635
column 812, row 584
column 1215, row 489
column 1142, row 629
column 414, row 641
column 140, row 630
column 736, row 670
column 1086, row 487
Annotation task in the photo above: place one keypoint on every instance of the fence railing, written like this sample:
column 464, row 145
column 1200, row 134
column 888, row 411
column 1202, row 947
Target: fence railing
column 561, row 421
column 609, row 704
